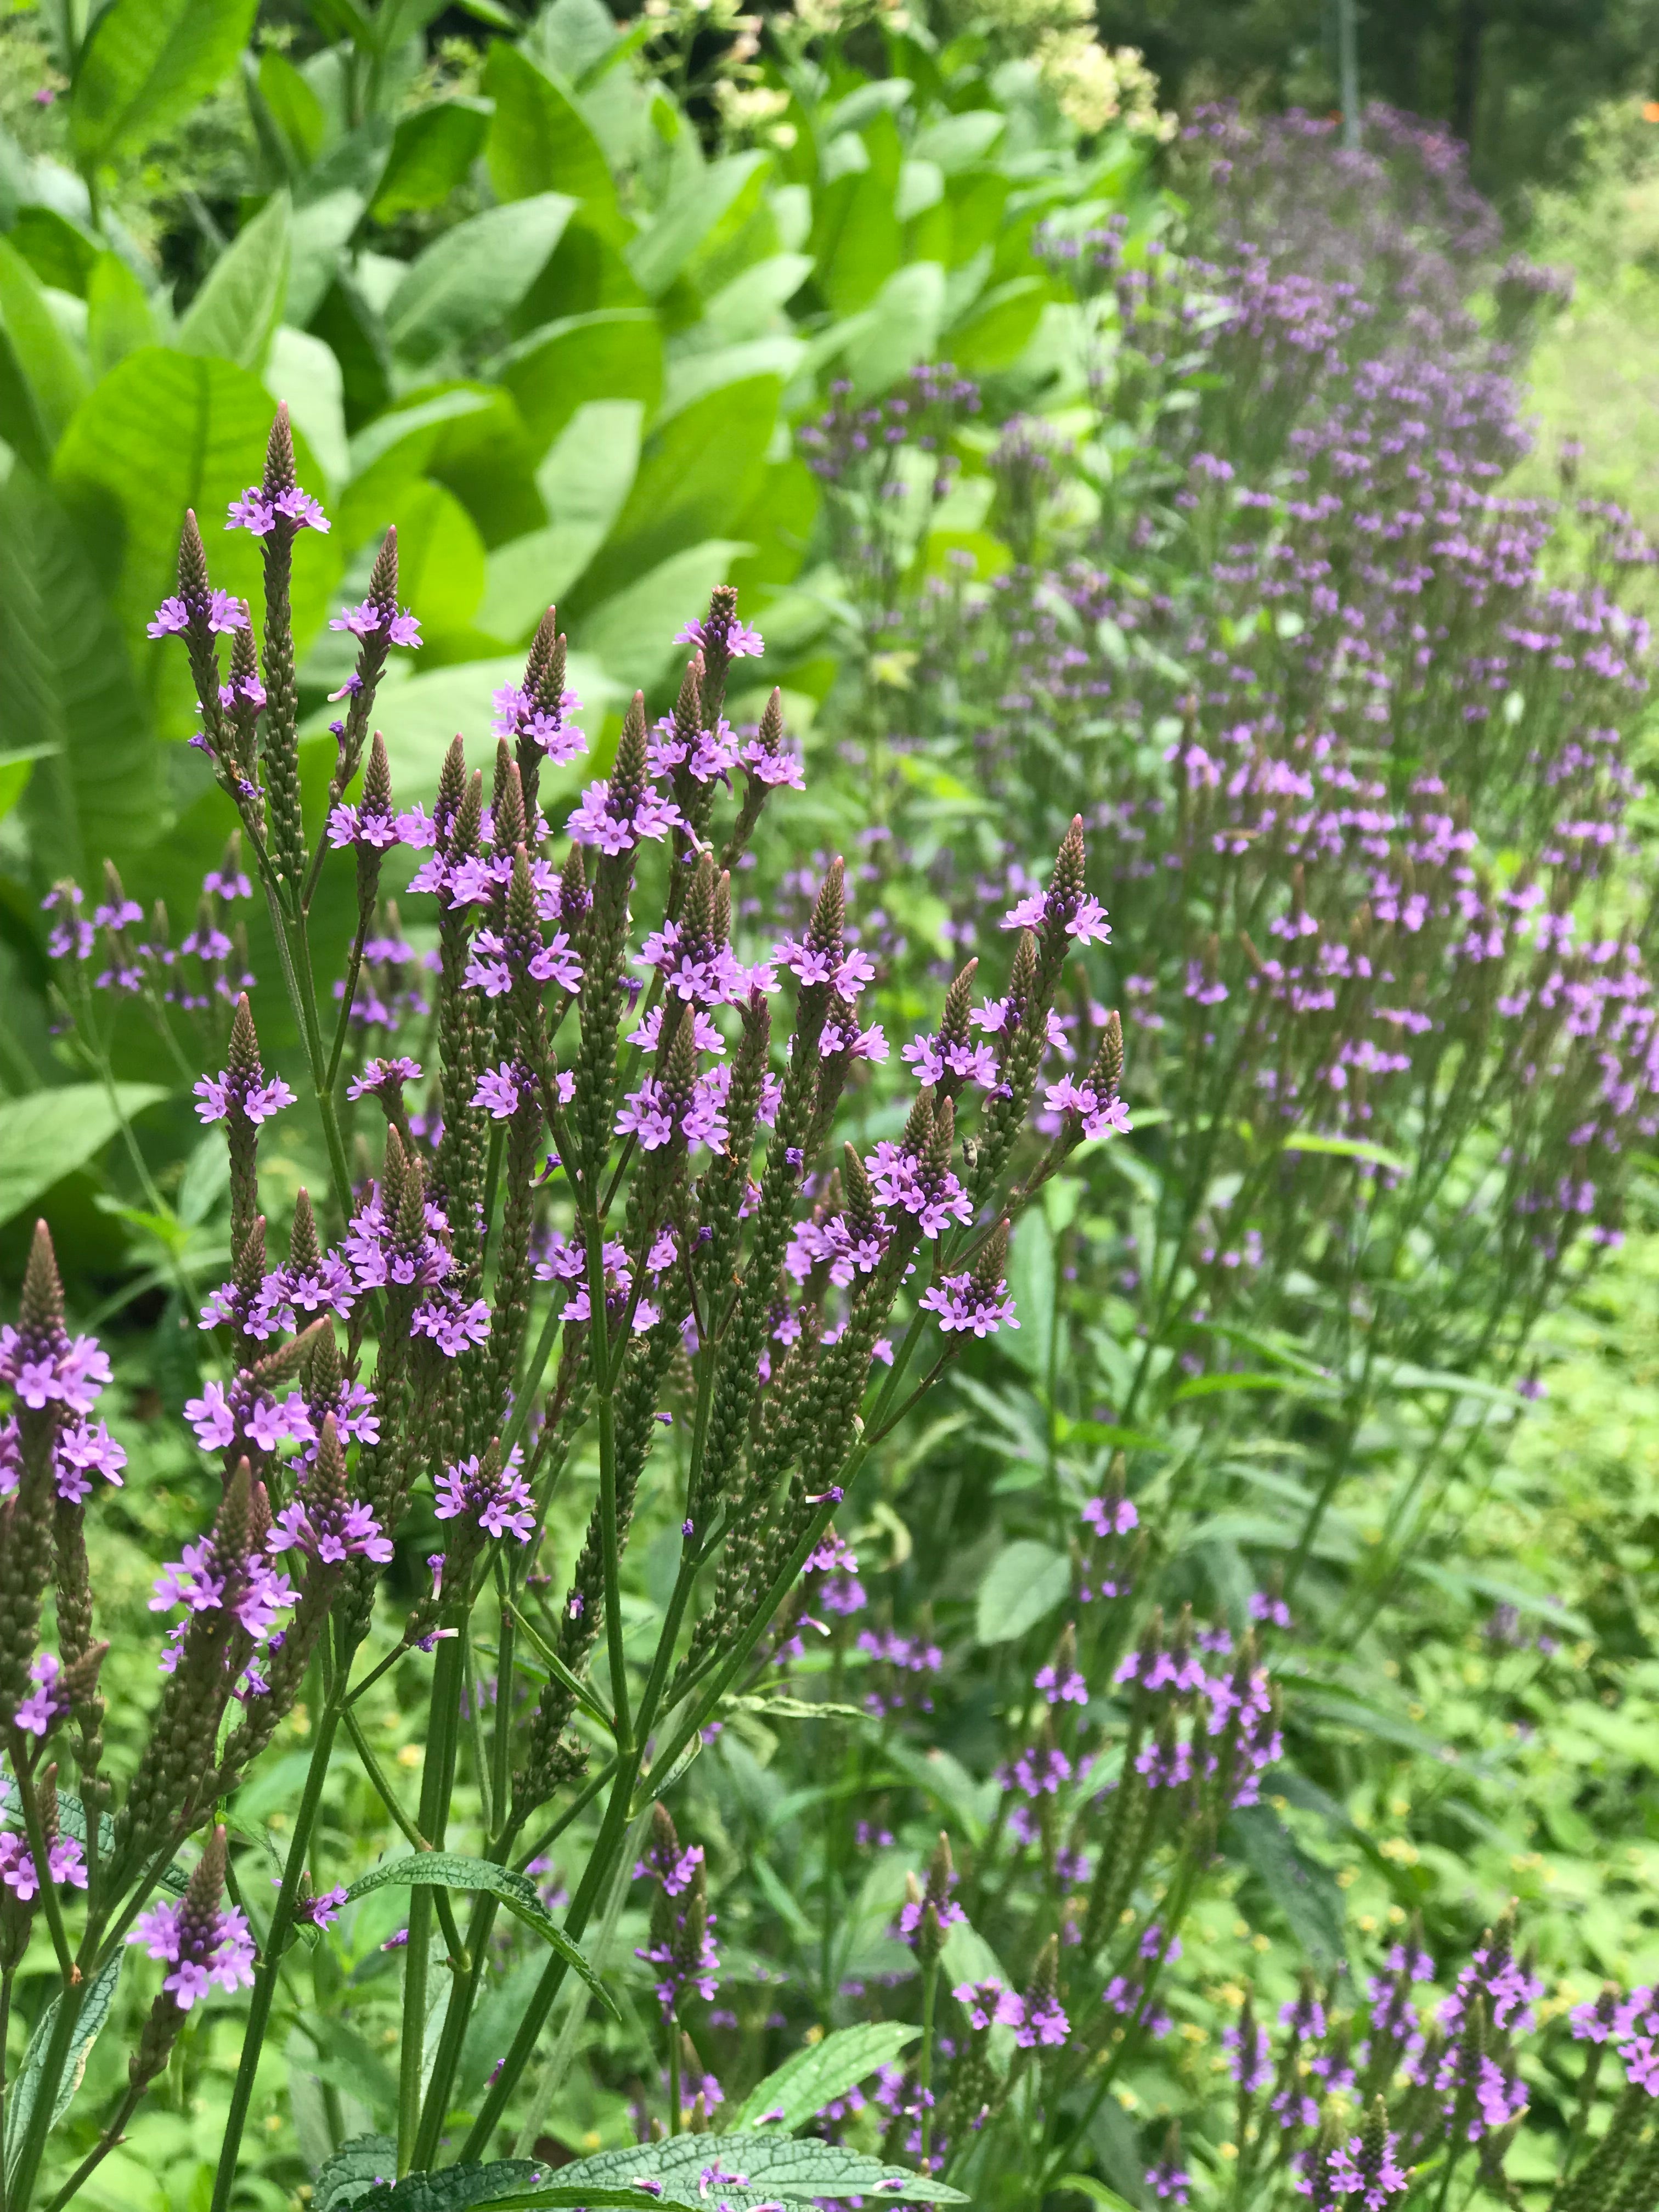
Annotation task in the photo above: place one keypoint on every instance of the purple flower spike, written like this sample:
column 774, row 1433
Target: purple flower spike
column 222, row 1950
column 502, row 1505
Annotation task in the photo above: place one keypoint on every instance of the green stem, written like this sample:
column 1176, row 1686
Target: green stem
column 282, row 1920
column 518, row 1419
column 924, row 2075
column 673, row 2076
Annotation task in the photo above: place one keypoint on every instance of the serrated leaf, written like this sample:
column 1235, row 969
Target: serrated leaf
column 146, row 64
column 749, row 2171
column 805, row 2083
column 450, row 1870
column 95, row 2011
column 1023, row 1586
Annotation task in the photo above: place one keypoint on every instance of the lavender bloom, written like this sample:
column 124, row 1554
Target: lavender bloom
column 255, row 512
column 519, row 717
column 255, row 1096
column 985, row 2003
column 382, row 1079
column 1250, row 2060
column 610, row 822
column 219, row 1951
column 59, row 1372
column 46, row 1702
column 222, row 613
column 329, row 1532
column 367, row 620
column 65, row 1862
column 963, row 1304
column 734, row 641
column 933, row 1195
column 1100, row 1117
column 1067, row 1689
column 1168, row 2179
column 1368, row 2172
column 1110, row 1516
column 500, row 1503
column 320, row 1910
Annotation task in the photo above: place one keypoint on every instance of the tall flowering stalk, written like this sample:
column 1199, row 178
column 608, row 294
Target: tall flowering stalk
column 607, row 1214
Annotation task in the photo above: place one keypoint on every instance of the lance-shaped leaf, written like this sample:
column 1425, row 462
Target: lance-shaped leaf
column 95, row 2011
column 146, row 64
column 804, row 2084
column 449, row 1870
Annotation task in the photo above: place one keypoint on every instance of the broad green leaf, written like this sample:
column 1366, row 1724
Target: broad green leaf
column 583, row 482
column 241, row 305
column 119, row 317
column 691, row 375
column 54, row 382
column 163, row 431
column 796, row 2169
column 699, row 469
column 999, row 327
column 68, row 694
column 958, row 140
column 633, row 633
column 57, row 248
column 431, row 152
column 1304, row 1890
column 807, row 2083
column 440, row 557
column 95, row 2011
column 753, row 301
column 539, row 141
column 293, row 106
column 16, row 766
column 1024, row 1585
column 572, row 37
column 970, row 1804
column 857, row 240
column 450, row 1870
column 657, row 255
column 470, row 279
column 147, row 64
column 615, row 354
column 47, row 1134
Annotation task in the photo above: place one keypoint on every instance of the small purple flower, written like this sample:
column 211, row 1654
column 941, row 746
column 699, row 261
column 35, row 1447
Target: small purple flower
column 501, row 1506
column 321, row 1911
column 329, row 1534
column 1168, row 2179
column 255, row 1097
column 737, row 641
column 499, row 1091
column 254, row 512
column 384, row 1078
column 367, row 620
column 962, row 1305
column 45, row 1704
column 221, row 1952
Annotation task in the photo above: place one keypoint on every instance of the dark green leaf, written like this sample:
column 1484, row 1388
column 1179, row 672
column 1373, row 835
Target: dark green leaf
column 95, row 2011
column 1304, row 1890
column 450, row 1870
column 148, row 62
column 804, row 2084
